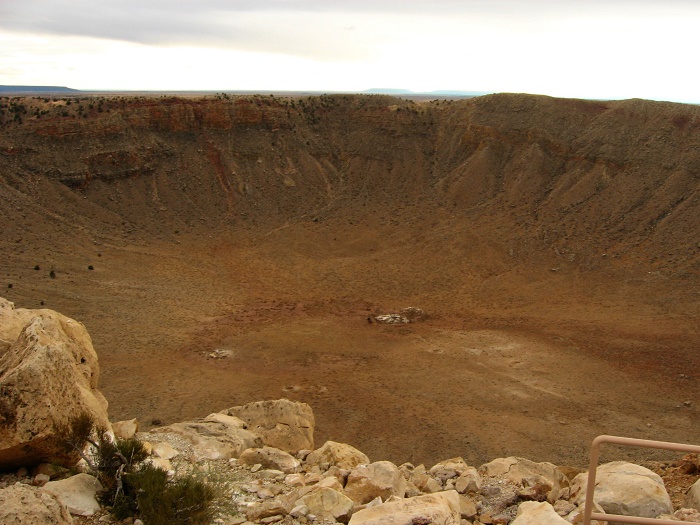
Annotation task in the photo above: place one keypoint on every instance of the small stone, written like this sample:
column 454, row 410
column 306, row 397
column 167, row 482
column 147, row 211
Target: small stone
column 138, row 522
column 255, row 468
column 78, row 493
column 563, row 507
column 272, row 519
column 40, row 480
column 295, row 480
column 265, row 493
column 467, row 508
column 299, row 511
column 51, row 470
column 125, row 429
column 165, row 450
column 22, row 472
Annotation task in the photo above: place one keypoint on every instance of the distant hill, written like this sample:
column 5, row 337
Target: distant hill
column 37, row 89
column 389, row 91
column 457, row 93
column 438, row 93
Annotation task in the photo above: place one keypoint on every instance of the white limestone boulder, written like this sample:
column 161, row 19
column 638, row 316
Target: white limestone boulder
column 381, row 479
column 340, row 455
column 78, row 493
column 48, row 376
column 626, row 489
column 442, row 508
column 270, row 458
column 24, row 505
column 284, row 424
column 537, row 513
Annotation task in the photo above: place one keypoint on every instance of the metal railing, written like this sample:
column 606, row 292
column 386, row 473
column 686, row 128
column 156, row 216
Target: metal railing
column 588, row 513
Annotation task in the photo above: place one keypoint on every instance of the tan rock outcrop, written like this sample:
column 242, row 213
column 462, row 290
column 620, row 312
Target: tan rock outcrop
column 336, row 454
column 24, row 505
column 442, row 508
column 48, row 376
column 381, row 479
column 284, row 424
column 626, row 489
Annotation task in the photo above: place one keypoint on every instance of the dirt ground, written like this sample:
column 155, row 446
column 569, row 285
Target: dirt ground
column 513, row 358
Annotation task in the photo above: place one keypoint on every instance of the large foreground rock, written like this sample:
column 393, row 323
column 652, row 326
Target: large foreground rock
column 625, row 489
column 525, row 472
column 381, row 479
column 24, row 505
column 205, row 439
column 48, row 376
column 78, row 493
column 439, row 509
column 284, row 424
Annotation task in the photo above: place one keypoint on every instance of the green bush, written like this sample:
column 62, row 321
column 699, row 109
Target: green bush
column 164, row 501
column 135, row 488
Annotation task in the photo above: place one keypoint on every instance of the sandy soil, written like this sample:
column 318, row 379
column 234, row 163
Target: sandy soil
column 525, row 361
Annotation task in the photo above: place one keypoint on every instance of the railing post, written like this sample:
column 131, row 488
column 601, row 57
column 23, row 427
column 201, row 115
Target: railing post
column 588, row 513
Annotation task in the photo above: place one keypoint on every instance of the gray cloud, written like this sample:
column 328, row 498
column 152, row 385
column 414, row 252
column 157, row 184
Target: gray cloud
column 243, row 24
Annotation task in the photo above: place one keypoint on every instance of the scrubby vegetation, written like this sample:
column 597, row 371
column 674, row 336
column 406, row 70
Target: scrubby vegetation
column 132, row 486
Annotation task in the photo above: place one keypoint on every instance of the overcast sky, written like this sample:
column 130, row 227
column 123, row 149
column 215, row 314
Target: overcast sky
column 570, row 48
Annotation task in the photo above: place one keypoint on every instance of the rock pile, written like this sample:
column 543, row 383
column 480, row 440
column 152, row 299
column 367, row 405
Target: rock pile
column 263, row 460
